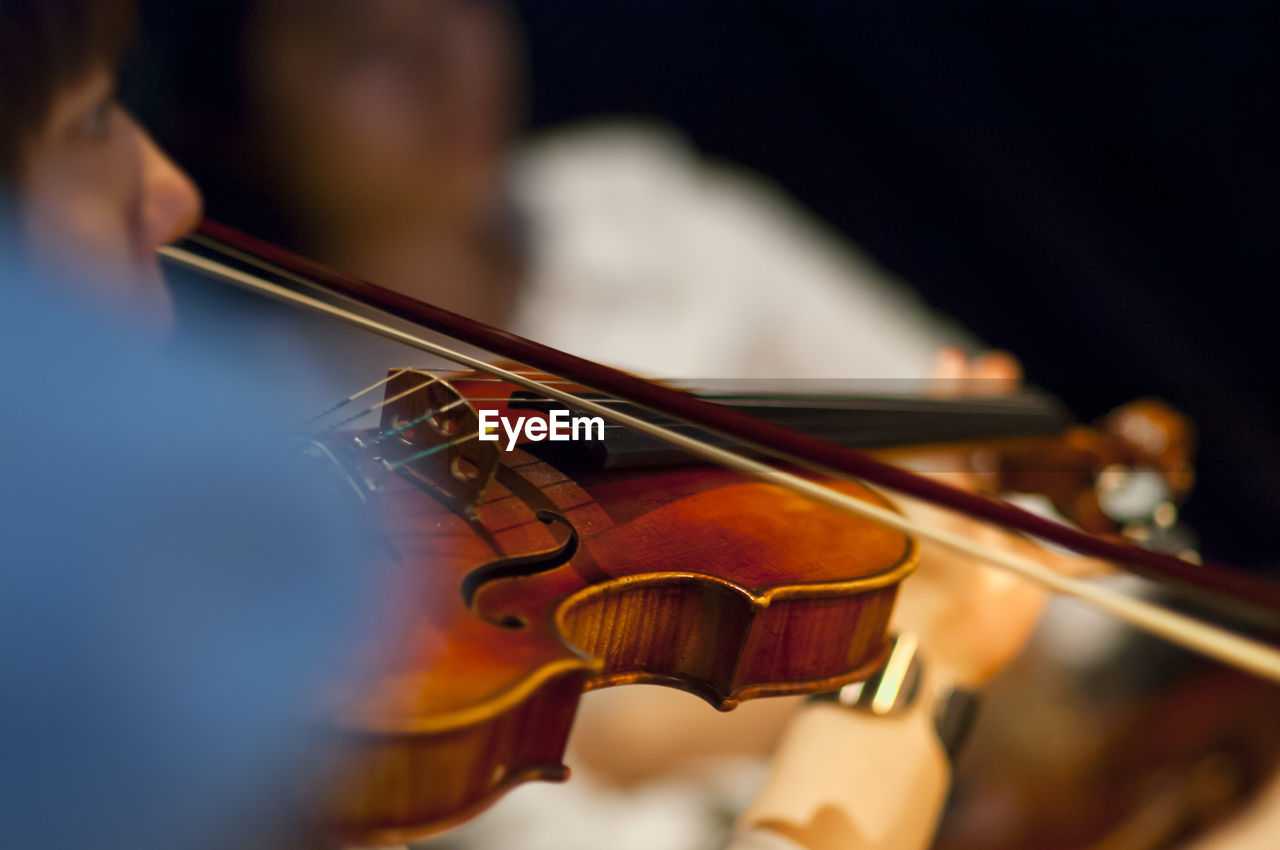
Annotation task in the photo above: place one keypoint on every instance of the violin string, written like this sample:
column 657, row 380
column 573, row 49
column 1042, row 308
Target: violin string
column 376, row 407
column 405, row 426
column 531, row 376
column 533, row 400
column 392, row 467
column 1209, row 640
column 351, row 398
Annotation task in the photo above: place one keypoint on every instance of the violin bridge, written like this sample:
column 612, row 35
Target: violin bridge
column 430, row 432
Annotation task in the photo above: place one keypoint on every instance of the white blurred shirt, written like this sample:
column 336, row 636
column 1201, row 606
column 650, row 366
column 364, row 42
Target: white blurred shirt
column 648, row 258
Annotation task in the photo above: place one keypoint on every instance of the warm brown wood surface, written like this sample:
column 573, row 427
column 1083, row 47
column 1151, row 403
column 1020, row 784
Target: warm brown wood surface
column 694, row 578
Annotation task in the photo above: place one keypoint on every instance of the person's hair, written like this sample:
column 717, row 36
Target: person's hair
column 44, row 46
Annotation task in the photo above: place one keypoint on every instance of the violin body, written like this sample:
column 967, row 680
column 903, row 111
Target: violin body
column 523, row 587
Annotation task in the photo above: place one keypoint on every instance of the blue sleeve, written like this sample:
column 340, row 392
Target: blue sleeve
column 176, row 587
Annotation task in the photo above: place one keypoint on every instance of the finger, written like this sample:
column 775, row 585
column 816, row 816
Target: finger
column 950, row 367
column 1062, row 562
column 995, row 373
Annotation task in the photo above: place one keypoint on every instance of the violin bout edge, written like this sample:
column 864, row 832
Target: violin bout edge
column 402, row 788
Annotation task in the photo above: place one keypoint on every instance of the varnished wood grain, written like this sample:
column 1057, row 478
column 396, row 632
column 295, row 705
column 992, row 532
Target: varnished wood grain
column 694, row 578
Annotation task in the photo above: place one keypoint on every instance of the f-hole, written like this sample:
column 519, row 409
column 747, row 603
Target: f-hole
column 524, row 565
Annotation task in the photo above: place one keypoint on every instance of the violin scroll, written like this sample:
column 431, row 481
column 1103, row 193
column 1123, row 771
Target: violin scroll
column 1127, row 472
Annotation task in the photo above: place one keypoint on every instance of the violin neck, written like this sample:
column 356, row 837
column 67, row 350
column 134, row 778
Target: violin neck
column 863, row 416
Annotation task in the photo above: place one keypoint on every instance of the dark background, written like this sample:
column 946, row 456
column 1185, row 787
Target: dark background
column 1090, row 185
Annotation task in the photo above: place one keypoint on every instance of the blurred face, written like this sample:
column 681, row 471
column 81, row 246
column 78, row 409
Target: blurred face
column 381, row 111
column 98, row 198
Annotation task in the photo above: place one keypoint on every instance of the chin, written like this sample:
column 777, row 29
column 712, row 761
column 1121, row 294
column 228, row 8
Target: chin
column 152, row 306
column 139, row 299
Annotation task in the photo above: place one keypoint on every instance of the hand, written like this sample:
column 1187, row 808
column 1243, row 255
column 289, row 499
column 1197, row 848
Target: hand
column 988, row 373
column 971, row 619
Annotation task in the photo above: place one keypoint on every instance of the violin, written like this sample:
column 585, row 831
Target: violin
column 768, row 567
